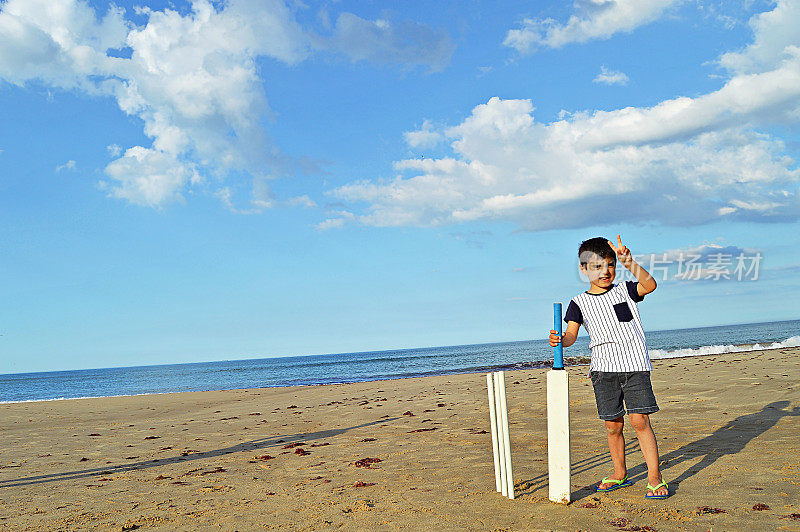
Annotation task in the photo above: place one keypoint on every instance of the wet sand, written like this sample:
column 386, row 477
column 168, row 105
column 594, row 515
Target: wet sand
column 407, row 454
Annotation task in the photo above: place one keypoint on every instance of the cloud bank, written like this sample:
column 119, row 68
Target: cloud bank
column 192, row 80
column 684, row 161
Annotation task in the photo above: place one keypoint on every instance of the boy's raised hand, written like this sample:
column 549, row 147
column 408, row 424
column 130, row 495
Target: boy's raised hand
column 623, row 253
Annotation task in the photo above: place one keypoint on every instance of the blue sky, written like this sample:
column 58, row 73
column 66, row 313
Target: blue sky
column 201, row 181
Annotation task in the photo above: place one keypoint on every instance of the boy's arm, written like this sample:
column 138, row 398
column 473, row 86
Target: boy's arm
column 569, row 337
column 646, row 282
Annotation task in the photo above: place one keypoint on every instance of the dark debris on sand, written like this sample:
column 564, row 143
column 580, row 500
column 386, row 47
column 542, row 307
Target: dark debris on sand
column 366, row 462
column 703, row 510
column 625, row 524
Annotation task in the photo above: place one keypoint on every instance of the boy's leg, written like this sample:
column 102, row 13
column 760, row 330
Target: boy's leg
column 640, row 403
column 608, row 395
column 616, row 445
column 649, row 446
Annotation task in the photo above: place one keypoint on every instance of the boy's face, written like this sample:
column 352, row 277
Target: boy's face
column 600, row 271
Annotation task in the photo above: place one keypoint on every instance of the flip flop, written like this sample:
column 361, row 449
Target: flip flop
column 653, row 489
column 617, row 483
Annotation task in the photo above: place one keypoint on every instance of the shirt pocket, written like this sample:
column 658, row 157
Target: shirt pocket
column 623, row 311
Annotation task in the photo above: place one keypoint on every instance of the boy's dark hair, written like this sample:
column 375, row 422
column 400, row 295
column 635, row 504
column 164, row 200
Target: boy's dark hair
column 597, row 245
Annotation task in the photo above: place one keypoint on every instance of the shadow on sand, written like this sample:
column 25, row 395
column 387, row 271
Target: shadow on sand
column 156, row 462
column 731, row 438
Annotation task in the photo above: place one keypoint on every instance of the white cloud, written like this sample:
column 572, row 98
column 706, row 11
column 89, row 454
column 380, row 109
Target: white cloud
column 330, row 223
column 684, row 161
column 256, row 205
column 593, row 19
column 69, row 165
column 115, row 150
column 59, row 42
column 703, row 252
column 191, row 79
column 777, row 37
column 339, row 219
column 728, row 15
column 771, row 96
column 301, row 201
column 149, row 177
column 611, row 77
column 542, row 176
column 225, row 195
column 425, row 137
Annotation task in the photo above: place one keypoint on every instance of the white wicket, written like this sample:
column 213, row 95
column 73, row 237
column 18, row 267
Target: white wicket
column 498, row 479
column 558, row 455
column 501, row 445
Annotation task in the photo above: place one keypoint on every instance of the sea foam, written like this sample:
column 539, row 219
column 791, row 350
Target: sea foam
column 793, row 341
column 73, row 398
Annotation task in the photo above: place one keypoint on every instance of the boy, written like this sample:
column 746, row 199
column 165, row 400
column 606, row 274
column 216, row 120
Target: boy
column 620, row 366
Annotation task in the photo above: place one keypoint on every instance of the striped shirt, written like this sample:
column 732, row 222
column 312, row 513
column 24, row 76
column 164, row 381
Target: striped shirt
column 616, row 336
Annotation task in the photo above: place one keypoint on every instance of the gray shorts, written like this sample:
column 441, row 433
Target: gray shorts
column 611, row 388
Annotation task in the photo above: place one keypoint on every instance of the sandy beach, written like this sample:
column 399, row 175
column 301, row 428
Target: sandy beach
column 407, row 454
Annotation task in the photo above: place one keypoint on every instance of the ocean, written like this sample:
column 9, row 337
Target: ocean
column 373, row 365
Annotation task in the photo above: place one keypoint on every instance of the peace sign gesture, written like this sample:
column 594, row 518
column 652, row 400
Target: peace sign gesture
column 622, row 252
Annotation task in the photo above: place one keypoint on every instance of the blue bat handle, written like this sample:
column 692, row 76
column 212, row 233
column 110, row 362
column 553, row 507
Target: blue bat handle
column 558, row 362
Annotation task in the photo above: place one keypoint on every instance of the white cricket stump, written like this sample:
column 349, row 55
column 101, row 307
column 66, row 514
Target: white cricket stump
column 498, row 481
column 558, row 459
column 501, row 445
